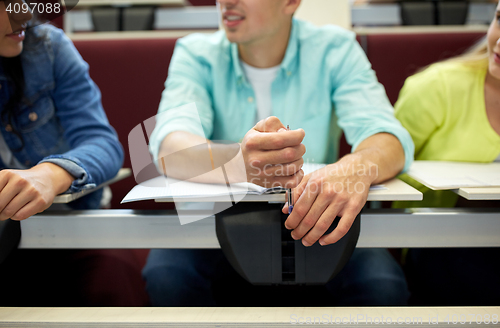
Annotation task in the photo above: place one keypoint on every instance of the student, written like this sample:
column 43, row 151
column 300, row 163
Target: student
column 270, row 68
column 451, row 110
column 55, row 138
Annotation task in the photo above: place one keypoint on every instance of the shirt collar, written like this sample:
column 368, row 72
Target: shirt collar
column 289, row 61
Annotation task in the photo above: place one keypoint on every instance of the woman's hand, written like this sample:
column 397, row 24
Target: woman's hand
column 24, row 193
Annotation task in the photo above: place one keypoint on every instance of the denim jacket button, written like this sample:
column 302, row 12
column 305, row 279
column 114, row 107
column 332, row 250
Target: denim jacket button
column 8, row 128
column 33, row 116
column 27, row 163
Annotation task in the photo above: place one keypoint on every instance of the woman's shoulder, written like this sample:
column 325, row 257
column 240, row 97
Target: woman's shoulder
column 447, row 72
column 44, row 37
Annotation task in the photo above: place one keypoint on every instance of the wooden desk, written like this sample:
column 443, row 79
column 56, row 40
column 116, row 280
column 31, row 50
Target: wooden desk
column 489, row 193
column 249, row 317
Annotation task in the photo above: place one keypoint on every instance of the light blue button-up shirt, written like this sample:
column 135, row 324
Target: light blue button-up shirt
column 325, row 85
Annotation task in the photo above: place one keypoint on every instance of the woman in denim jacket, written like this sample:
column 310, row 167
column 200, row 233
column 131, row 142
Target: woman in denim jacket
column 54, row 138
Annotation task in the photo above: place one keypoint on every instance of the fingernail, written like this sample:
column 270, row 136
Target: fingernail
column 294, row 238
column 305, row 243
column 281, row 130
column 322, row 243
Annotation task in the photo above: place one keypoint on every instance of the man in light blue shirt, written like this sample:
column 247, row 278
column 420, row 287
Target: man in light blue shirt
column 322, row 84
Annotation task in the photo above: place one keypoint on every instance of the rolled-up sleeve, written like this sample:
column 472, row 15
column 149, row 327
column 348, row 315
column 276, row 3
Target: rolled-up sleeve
column 360, row 101
column 186, row 103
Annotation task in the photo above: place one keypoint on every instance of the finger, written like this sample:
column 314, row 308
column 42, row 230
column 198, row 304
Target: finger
column 15, row 205
column 296, row 192
column 302, row 206
column 4, row 179
column 267, row 159
column 283, row 170
column 320, row 204
column 31, row 208
column 342, row 228
column 8, row 193
column 269, row 124
column 322, row 225
column 275, row 140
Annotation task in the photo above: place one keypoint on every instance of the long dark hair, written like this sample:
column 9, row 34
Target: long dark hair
column 13, row 69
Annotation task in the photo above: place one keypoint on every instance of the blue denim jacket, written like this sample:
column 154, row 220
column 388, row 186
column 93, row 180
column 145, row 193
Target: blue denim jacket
column 61, row 120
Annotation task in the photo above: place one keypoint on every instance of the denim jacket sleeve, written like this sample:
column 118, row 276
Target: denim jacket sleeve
column 95, row 153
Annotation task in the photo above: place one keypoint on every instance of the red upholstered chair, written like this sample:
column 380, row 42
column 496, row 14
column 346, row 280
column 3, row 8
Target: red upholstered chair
column 202, row 2
column 131, row 76
column 394, row 57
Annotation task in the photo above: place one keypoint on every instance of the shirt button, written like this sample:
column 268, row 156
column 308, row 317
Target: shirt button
column 8, row 128
column 289, row 73
column 33, row 116
column 250, row 99
column 27, row 163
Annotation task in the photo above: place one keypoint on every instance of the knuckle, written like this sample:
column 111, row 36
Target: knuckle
column 279, row 142
column 289, row 155
column 42, row 203
column 300, row 211
column 8, row 212
column 251, row 143
column 322, row 226
column 342, row 229
column 302, row 149
column 309, row 222
column 330, row 193
column 342, row 198
column 272, row 120
column 292, row 183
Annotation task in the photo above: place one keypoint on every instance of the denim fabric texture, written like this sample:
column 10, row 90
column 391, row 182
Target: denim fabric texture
column 61, row 119
column 203, row 277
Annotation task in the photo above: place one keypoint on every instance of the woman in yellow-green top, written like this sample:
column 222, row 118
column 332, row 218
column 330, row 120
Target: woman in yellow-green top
column 452, row 111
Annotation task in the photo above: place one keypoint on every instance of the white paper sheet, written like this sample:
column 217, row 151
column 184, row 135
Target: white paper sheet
column 162, row 188
column 453, row 175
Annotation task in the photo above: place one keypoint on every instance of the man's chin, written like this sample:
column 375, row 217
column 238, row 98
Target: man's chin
column 234, row 37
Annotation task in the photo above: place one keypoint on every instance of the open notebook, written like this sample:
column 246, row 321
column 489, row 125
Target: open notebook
column 453, row 175
column 162, row 188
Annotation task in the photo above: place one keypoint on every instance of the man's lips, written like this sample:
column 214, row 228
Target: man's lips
column 232, row 18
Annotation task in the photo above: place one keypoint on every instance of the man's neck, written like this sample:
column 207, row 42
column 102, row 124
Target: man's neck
column 268, row 52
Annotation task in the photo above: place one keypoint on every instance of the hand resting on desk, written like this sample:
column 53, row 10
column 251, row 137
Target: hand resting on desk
column 341, row 189
column 24, row 193
column 265, row 157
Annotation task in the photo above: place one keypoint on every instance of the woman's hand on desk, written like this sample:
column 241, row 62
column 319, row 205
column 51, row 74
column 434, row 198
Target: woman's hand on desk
column 24, row 193
column 339, row 189
column 273, row 155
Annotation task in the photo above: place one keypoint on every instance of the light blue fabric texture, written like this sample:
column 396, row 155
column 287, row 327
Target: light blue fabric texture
column 70, row 128
column 325, row 84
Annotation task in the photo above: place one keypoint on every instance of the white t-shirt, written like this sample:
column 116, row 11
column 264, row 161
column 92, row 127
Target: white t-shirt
column 261, row 80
